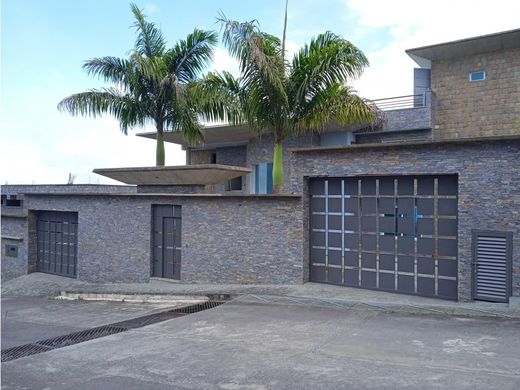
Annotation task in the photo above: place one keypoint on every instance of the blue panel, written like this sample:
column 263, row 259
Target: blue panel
column 477, row 76
column 257, row 176
column 262, row 179
column 269, row 178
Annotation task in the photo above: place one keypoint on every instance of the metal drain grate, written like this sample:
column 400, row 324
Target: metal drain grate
column 198, row 307
column 102, row 331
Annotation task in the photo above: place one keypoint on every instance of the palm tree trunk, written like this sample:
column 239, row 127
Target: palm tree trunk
column 277, row 168
column 159, row 154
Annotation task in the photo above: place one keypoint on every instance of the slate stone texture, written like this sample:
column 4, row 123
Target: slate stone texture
column 488, row 176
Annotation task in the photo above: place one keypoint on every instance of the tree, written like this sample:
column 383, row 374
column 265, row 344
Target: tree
column 151, row 86
column 282, row 98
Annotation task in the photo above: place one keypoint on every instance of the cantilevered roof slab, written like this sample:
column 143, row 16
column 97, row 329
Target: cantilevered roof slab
column 231, row 135
column 174, row 175
column 213, row 135
column 465, row 47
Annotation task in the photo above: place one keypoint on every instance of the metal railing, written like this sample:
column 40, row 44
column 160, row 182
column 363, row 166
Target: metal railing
column 401, row 102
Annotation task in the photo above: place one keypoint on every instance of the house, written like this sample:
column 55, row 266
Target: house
column 425, row 204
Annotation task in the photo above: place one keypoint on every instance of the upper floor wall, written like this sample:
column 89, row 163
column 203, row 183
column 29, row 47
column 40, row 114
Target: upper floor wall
column 483, row 108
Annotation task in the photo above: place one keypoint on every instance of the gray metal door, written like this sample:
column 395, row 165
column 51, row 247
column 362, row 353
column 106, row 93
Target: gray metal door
column 392, row 233
column 166, row 241
column 57, row 240
column 492, row 265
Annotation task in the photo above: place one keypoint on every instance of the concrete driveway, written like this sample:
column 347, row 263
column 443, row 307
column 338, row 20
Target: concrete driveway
column 29, row 319
column 267, row 346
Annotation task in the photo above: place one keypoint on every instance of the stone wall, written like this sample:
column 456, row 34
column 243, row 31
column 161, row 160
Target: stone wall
column 14, row 189
column 260, row 150
column 485, row 108
column 489, row 185
column 225, row 239
column 14, row 232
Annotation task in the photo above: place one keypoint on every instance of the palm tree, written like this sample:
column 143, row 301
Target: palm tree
column 151, row 86
column 285, row 98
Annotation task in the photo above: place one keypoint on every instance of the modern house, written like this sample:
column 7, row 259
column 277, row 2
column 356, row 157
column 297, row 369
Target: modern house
column 428, row 203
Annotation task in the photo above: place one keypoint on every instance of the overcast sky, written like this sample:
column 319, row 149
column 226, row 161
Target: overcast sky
column 45, row 42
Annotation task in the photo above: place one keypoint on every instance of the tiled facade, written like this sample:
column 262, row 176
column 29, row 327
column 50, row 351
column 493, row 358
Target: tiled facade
column 489, row 185
column 224, row 239
column 486, row 108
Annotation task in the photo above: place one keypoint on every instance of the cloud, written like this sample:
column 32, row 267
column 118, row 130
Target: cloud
column 223, row 61
column 411, row 24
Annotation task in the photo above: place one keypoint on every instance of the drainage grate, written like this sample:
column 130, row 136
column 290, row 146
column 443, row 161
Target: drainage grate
column 198, row 307
column 102, row 331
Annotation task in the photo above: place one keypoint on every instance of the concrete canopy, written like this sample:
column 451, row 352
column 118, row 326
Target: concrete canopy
column 232, row 135
column 465, row 47
column 174, row 175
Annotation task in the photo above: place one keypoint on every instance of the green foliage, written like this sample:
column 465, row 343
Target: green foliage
column 153, row 85
column 285, row 98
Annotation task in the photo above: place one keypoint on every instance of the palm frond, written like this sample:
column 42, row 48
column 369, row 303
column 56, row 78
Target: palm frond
column 108, row 68
column 191, row 55
column 259, row 55
column 95, row 103
column 336, row 103
column 327, row 60
column 150, row 41
column 218, row 97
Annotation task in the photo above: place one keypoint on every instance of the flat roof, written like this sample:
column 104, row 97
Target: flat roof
column 404, row 144
column 465, row 47
column 227, row 135
column 174, row 175
column 218, row 135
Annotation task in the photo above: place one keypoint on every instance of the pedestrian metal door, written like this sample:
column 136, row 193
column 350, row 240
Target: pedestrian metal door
column 57, row 241
column 492, row 265
column 392, row 233
column 166, row 241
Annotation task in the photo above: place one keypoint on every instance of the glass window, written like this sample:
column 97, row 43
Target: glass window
column 477, row 76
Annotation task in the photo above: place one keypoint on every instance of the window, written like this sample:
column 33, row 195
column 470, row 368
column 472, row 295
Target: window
column 477, row 76
column 264, row 178
column 213, row 158
column 11, row 201
column 234, row 184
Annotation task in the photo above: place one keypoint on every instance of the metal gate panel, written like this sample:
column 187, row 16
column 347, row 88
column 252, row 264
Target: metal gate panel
column 166, row 241
column 57, row 240
column 393, row 233
column 492, row 262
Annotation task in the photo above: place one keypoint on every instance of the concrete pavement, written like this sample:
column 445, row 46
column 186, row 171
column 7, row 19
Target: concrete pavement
column 277, row 346
column 38, row 284
column 26, row 320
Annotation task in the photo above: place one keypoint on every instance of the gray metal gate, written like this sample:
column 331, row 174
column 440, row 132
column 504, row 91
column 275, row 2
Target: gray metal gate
column 392, row 233
column 166, row 241
column 492, row 265
column 57, row 241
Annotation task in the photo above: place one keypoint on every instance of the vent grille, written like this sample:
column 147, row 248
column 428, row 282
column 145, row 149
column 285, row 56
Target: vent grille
column 492, row 261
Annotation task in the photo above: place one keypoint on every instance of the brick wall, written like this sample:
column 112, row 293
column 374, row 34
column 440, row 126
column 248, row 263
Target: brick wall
column 489, row 185
column 485, row 108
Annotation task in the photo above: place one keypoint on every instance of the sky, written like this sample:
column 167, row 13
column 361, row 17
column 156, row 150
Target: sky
column 45, row 42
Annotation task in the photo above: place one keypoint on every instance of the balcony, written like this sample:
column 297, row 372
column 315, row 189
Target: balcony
column 410, row 113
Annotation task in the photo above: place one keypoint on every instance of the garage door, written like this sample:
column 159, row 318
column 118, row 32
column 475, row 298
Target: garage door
column 57, row 242
column 387, row 233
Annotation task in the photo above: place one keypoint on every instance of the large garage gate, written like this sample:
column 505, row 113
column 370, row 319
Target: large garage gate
column 388, row 233
column 57, row 233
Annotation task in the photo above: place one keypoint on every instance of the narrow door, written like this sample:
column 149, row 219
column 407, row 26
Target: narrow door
column 57, row 242
column 166, row 241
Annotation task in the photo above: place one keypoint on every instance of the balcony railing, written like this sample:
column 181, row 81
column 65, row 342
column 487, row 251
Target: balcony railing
column 401, row 102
